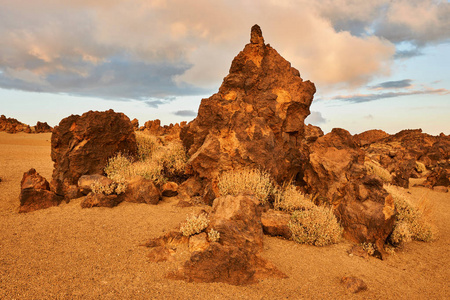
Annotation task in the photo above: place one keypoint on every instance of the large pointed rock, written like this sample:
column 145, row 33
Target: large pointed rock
column 259, row 111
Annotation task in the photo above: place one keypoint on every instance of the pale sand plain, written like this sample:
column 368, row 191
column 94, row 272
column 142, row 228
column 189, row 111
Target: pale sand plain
column 67, row 252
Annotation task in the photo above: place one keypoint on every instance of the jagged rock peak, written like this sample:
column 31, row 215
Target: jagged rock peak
column 256, row 36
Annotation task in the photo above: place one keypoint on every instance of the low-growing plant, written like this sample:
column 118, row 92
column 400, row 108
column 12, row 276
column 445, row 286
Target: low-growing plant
column 411, row 221
column 377, row 170
column 146, row 144
column 290, row 199
column 172, row 158
column 118, row 168
column 108, row 189
column 254, row 181
column 194, row 224
column 316, row 226
column 420, row 167
column 213, row 235
column 369, row 248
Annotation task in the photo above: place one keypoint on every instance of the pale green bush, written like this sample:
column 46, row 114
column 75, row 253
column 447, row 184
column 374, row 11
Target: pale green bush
column 194, row 224
column 411, row 220
column 316, row 226
column 377, row 170
column 254, row 181
column 290, row 199
column 213, row 235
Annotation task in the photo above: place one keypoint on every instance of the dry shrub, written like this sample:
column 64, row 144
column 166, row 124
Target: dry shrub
column 194, row 224
column 374, row 168
column 254, row 181
column 157, row 162
column 116, row 187
column 420, row 167
column 412, row 221
column 290, row 199
column 146, row 144
column 316, row 226
column 213, row 235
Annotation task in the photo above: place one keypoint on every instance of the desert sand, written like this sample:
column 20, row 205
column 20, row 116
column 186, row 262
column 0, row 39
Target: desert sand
column 67, row 252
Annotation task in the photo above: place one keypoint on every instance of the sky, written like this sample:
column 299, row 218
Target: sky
column 380, row 64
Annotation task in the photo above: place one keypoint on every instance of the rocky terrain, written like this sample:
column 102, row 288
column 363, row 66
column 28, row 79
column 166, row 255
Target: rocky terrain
column 254, row 121
column 11, row 125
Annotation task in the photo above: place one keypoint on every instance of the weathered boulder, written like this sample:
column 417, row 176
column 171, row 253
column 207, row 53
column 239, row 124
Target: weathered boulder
column 42, row 127
column 81, row 145
column 370, row 136
column 11, row 125
column 438, row 177
column 336, row 175
column 170, row 132
column 275, row 223
column 100, row 200
column 85, row 182
column 169, row 189
column 141, row 190
column 35, row 193
column 233, row 259
column 259, row 110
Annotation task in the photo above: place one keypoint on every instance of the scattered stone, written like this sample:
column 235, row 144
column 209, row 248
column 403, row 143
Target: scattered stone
column 81, row 145
column 100, row 200
column 35, row 193
column 169, row 189
column 86, row 181
column 141, row 190
column 275, row 223
column 353, row 284
column 198, row 242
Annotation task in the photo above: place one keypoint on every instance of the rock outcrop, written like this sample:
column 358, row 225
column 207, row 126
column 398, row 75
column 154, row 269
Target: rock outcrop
column 259, row 110
column 336, row 175
column 81, row 145
column 370, row 136
column 11, row 125
column 233, row 259
column 35, row 193
column 170, row 132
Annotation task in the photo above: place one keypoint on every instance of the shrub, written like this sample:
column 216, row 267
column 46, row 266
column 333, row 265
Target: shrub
column 316, row 226
column 254, row 181
column 118, row 168
column 213, row 235
column 377, row 170
column 172, row 159
column 369, row 248
column 194, row 224
column 146, row 144
column 116, row 187
column 290, row 199
column 411, row 222
column 420, row 167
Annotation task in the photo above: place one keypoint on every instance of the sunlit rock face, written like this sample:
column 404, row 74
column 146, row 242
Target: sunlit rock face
column 255, row 120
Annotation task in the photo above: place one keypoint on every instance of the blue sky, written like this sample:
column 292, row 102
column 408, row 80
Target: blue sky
column 376, row 65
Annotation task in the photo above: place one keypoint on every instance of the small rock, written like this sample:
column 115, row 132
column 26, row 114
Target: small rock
column 169, row 189
column 275, row 223
column 100, row 200
column 353, row 284
column 198, row 242
column 141, row 190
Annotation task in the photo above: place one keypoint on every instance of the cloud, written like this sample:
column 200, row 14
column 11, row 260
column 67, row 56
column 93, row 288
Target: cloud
column 185, row 113
column 360, row 98
column 132, row 49
column 315, row 118
column 392, row 84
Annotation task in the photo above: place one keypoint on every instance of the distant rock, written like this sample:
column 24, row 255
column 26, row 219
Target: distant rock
column 35, row 193
column 370, row 137
column 135, row 124
column 11, row 125
column 170, row 132
column 81, row 145
column 259, row 110
column 42, row 127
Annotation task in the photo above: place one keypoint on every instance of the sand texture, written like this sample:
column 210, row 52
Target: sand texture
column 67, row 252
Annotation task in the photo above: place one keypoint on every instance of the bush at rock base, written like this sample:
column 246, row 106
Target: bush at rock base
column 377, row 170
column 289, row 199
column 194, row 224
column 156, row 161
column 213, row 235
column 316, row 226
column 254, row 181
column 411, row 220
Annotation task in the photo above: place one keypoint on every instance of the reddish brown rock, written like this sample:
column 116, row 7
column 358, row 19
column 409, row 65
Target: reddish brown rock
column 275, row 223
column 259, row 110
column 234, row 259
column 135, row 124
column 42, row 127
column 169, row 189
column 11, row 125
column 170, row 132
column 312, row 133
column 336, row 175
column 35, row 193
column 370, row 137
column 353, row 284
column 86, row 181
column 100, row 200
column 81, row 145
column 438, row 177
column 141, row 190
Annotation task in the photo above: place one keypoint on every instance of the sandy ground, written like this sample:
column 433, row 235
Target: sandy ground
column 67, row 252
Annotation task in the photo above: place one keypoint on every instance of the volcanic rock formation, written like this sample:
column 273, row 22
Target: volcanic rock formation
column 255, row 120
column 81, row 145
column 11, row 125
